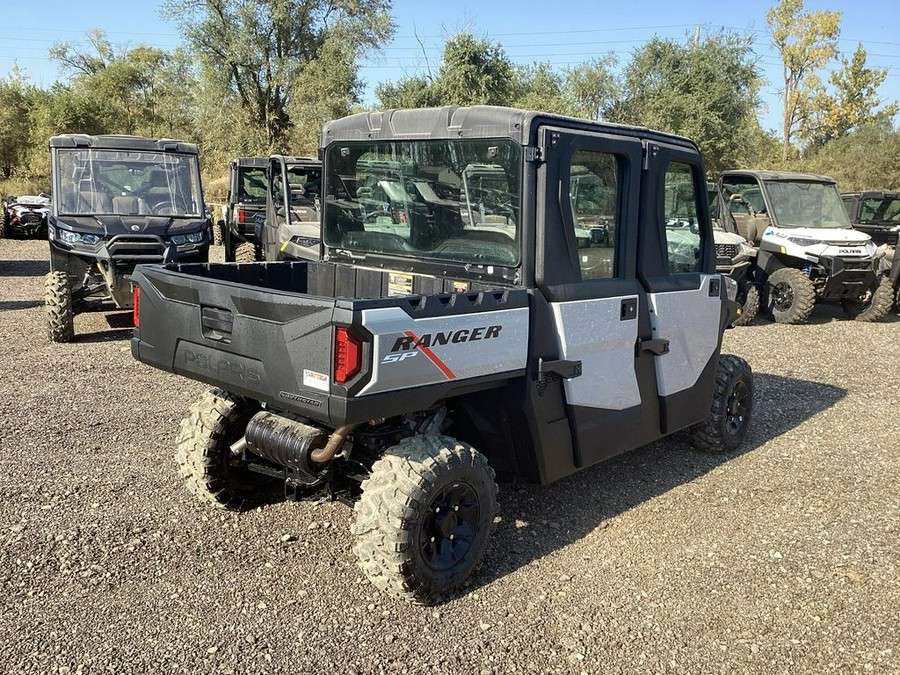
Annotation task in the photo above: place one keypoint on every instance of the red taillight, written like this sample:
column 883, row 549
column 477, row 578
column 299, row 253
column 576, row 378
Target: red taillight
column 347, row 355
column 136, row 306
column 242, row 216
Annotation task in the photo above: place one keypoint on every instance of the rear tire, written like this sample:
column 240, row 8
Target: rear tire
column 203, row 453
column 245, row 252
column 790, row 295
column 874, row 306
column 732, row 408
column 425, row 517
column 217, row 233
column 749, row 305
column 58, row 307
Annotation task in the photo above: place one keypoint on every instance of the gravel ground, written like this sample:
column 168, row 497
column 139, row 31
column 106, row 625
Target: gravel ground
column 781, row 558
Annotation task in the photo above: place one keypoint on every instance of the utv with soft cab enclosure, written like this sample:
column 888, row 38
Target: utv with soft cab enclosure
column 435, row 344
column 118, row 201
column 807, row 251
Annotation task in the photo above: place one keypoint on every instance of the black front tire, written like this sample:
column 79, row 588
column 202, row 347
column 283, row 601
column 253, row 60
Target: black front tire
column 732, row 408
column 749, row 300
column 203, row 452
column 425, row 517
column 58, row 307
column 874, row 306
column 791, row 295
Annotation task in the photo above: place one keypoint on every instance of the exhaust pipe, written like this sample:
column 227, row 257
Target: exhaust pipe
column 283, row 439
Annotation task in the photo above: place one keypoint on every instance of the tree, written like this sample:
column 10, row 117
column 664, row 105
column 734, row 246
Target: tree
column 261, row 48
column 475, row 72
column 855, row 102
column 807, row 41
column 144, row 90
column 541, row 88
column 591, row 88
column 865, row 158
column 706, row 90
column 415, row 91
column 14, row 121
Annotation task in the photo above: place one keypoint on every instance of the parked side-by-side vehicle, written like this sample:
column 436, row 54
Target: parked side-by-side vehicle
column 455, row 327
column 807, row 250
column 117, row 201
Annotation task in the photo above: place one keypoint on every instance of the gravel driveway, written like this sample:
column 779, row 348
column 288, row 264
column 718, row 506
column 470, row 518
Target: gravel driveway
column 782, row 558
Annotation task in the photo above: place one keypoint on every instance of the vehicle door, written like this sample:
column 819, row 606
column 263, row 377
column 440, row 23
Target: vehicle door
column 676, row 265
column 585, row 267
column 278, row 207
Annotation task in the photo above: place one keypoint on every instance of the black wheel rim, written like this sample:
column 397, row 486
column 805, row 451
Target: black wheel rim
column 783, row 297
column 736, row 407
column 450, row 526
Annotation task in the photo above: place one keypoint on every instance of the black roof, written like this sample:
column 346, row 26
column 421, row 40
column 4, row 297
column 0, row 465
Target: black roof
column 298, row 161
column 873, row 194
column 253, row 162
column 113, row 142
column 480, row 121
column 779, row 175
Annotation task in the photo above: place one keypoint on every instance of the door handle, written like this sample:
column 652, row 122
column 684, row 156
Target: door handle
column 628, row 309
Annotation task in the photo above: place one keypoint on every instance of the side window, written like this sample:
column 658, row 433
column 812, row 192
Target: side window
column 594, row 199
column 682, row 220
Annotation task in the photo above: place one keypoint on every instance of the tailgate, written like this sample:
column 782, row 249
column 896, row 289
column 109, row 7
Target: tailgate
column 267, row 344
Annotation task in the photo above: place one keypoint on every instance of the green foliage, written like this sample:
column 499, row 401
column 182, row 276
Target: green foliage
column 863, row 159
column 142, row 90
column 591, row 89
column 475, row 72
column 14, row 123
column 855, row 102
column 409, row 92
column 262, row 76
column 261, row 52
column 707, row 91
column 542, row 88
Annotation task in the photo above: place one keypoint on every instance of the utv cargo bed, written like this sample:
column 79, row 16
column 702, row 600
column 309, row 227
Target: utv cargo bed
column 264, row 330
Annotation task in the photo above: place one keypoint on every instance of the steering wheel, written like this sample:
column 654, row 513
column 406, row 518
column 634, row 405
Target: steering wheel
column 163, row 209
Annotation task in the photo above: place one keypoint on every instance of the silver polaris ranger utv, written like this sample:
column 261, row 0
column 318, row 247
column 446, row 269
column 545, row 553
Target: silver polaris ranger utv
column 463, row 329
column 117, row 201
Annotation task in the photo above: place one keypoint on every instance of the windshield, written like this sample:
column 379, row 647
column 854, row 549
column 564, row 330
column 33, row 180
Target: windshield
column 124, row 183
column 304, row 182
column 806, row 204
column 444, row 200
column 880, row 210
column 252, row 185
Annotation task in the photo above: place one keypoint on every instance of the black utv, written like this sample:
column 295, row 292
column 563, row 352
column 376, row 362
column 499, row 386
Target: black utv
column 877, row 213
column 118, row 201
column 248, row 187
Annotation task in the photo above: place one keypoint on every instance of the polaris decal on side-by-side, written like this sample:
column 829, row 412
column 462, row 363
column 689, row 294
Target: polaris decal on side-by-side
column 409, row 352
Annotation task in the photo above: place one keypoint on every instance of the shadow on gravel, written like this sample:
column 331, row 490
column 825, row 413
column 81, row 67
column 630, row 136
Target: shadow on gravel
column 24, row 268
column 9, row 305
column 554, row 516
column 103, row 336
column 822, row 314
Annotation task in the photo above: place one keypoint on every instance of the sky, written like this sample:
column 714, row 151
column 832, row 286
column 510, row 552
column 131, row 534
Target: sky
column 562, row 32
